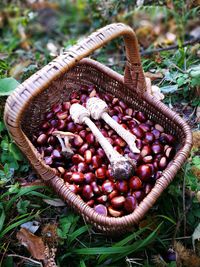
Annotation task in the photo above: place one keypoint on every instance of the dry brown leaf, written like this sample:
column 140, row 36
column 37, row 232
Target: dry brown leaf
column 186, row 257
column 56, row 202
column 196, row 139
column 17, row 70
column 37, row 5
column 196, row 172
column 198, row 112
column 153, row 89
column 146, row 35
column 33, row 243
column 154, row 76
column 36, row 182
column 24, row 38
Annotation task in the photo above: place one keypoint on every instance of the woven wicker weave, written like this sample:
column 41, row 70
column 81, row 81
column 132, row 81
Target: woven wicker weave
column 52, row 84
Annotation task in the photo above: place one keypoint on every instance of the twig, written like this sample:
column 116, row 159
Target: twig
column 184, row 208
column 25, row 258
column 4, row 252
column 175, row 66
column 172, row 47
column 180, row 221
column 177, row 238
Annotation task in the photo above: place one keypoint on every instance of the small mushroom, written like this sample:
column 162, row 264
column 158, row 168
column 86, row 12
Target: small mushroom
column 122, row 168
column 66, row 151
column 98, row 110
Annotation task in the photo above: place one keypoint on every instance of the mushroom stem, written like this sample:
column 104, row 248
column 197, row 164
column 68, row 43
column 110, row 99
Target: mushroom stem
column 65, row 146
column 126, row 135
column 121, row 166
column 98, row 110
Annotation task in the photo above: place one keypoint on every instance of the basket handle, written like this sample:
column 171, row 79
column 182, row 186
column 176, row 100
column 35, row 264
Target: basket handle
column 133, row 75
column 17, row 102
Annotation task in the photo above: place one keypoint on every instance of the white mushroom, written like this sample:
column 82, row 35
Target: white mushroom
column 122, row 168
column 98, row 110
column 65, row 145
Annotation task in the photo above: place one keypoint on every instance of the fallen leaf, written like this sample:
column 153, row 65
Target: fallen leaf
column 198, row 196
column 196, row 172
column 36, row 5
column 196, row 139
column 56, row 202
column 53, row 49
column 186, row 257
column 145, row 35
column 198, row 115
column 33, row 243
column 36, row 182
column 196, row 235
column 169, row 88
column 154, row 76
column 155, row 91
column 18, row 69
column 24, row 38
column 195, row 33
column 31, row 226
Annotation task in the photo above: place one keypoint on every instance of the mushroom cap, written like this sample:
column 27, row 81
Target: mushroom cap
column 123, row 169
column 96, row 107
column 78, row 113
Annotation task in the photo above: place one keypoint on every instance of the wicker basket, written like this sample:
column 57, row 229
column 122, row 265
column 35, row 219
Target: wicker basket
column 53, row 83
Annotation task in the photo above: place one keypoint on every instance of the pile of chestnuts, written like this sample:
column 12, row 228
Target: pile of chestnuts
column 81, row 162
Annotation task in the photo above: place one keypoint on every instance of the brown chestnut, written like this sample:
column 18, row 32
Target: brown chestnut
column 118, row 202
column 144, row 172
column 89, row 177
column 130, row 203
column 122, row 186
column 77, row 177
column 96, row 188
column 101, row 173
column 146, row 151
column 113, row 194
column 90, row 139
column 162, row 163
column 76, row 158
column 102, row 199
column 101, row 209
column 107, row 187
column 157, row 148
column 140, row 116
column 87, row 192
column 42, row 139
column 138, row 132
column 135, row 183
column 88, row 156
column 96, row 162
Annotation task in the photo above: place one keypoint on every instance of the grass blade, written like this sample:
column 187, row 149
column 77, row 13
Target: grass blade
column 14, row 225
column 82, row 263
column 124, row 241
column 23, row 191
column 2, row 217
column 139, row 245
column 167, row 218
column 121, row 250
column 76, row 233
